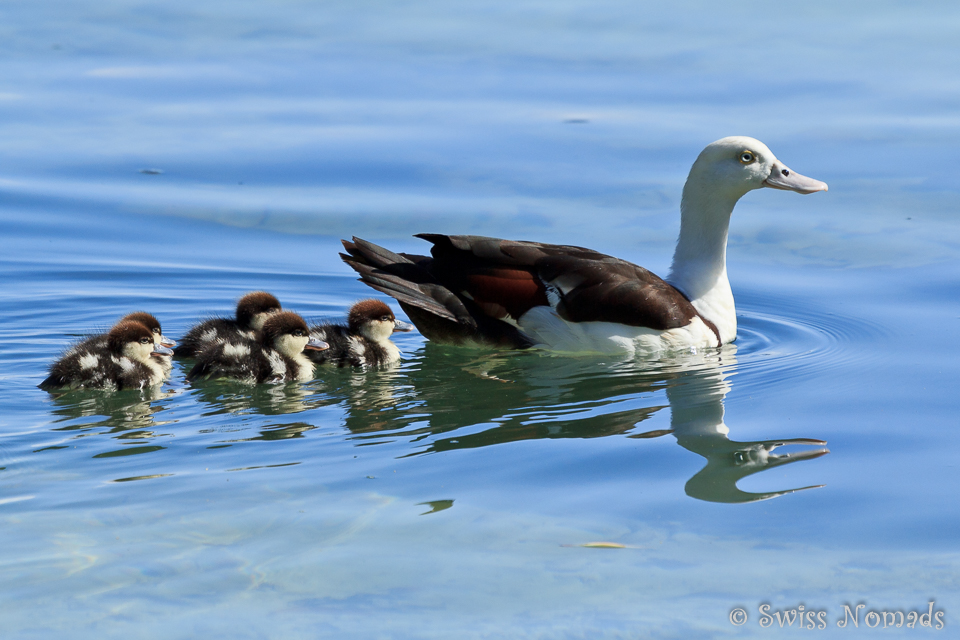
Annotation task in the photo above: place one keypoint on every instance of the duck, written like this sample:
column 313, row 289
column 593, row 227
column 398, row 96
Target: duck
column 476, row 290
column 276, row 356
column 150, row 322
column 364, row 340
column 126, row 358
column 253, row 309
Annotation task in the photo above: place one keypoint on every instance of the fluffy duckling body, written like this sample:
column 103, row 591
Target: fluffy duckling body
column 277, row 356
column 99, row 341
column 364, row 340
column 126, row 358
column 253, row 310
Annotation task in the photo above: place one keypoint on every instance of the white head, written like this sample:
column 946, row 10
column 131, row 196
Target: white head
column 732, row 166
column 723, row 172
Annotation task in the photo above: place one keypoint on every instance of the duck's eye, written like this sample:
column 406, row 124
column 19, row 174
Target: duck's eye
column 145, row 341
column 299, row 333
column 747, row 157
column 386, row 319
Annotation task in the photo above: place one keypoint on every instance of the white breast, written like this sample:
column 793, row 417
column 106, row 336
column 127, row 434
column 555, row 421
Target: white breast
column 393, row 351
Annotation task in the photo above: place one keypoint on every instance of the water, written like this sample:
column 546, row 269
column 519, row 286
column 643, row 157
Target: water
column 172, row 156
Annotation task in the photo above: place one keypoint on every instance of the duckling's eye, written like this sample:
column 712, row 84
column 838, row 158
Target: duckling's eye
column 299, row 333
column 747, row 157
column 145, row 340
column 386, row 319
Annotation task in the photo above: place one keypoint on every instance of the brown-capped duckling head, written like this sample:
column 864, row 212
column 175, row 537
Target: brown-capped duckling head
column 254, row 308
column 135, row 341
column 150, row 322
column 288, row 333
column 374, row 320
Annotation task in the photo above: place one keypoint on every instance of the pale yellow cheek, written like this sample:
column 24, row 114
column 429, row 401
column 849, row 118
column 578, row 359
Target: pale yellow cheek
column 138, row 352
column 292, row 345
column 378, row 331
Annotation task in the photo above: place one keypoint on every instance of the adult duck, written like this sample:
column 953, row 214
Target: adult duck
column 479, row 290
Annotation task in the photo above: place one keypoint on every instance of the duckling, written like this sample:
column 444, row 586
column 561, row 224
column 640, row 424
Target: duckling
column 150, row 322
column 99, row 341
column 128, row 358
column 278, row 355
column 253, row 309
column 365, row 340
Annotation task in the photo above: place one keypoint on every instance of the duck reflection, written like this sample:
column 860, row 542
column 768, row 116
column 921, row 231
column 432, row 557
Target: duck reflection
column 696, row 405
column 495, row 399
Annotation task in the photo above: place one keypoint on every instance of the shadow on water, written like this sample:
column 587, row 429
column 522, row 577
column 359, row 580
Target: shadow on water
column 445, row 403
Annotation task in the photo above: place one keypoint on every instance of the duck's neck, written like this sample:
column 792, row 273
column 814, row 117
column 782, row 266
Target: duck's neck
column 699, row 267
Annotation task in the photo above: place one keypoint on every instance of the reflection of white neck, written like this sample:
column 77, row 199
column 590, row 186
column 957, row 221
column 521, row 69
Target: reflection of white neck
column 696, row 400
column 699, row 267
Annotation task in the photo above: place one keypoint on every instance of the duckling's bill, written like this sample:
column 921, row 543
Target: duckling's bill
column 317, row 345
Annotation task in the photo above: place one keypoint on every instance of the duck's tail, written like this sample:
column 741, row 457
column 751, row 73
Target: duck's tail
column 439, row 313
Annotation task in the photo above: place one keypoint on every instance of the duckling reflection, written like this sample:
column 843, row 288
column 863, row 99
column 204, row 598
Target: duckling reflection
column 124, row 415
column 526, row 396
column 374, row 399
column 223, row 396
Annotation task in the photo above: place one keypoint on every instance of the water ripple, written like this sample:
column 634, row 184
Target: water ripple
column 797, row 341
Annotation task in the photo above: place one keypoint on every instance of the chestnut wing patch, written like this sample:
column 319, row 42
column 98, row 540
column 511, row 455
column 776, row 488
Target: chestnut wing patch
column 502, row 292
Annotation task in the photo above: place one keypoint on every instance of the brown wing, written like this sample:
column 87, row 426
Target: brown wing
column 615, row 291
column 510, row 277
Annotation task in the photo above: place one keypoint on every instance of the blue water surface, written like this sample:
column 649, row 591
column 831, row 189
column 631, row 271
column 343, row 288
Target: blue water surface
column 173, row 156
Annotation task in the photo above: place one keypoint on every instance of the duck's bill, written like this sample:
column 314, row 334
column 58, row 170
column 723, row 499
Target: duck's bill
column 317, row 345
column 167, row 342
column 783, row 178
column 400, row 325
column 160, row 350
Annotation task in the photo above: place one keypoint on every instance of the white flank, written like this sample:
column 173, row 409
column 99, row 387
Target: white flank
column 357, row 348
column 231, row 350
column 277, row 365
column 551, row 331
